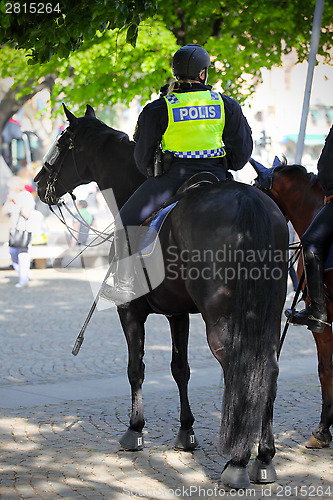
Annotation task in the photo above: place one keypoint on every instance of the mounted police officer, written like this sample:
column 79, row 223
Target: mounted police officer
column 189, row 129
column 314, row 242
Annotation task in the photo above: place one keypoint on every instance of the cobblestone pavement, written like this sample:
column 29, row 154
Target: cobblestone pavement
column 62, row 416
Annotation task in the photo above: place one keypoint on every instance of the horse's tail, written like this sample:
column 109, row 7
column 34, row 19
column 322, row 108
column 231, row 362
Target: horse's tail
column 250, row 361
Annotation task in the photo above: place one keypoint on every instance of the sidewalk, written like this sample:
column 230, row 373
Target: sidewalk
column 62, row 415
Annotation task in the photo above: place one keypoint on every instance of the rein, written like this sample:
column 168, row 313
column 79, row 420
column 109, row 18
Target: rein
column 297, row 247
column 99, row 234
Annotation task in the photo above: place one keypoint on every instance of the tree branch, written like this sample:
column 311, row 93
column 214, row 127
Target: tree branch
column 10, row 104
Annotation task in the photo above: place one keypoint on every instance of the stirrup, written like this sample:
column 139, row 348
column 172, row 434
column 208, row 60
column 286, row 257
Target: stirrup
column 306, row 318
column 120, row 294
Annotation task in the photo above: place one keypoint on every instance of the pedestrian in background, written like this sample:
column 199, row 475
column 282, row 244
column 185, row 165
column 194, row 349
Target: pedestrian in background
column 82, row 226
column 19, row 206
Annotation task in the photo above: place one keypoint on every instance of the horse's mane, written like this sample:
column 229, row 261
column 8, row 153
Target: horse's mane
column 102, row 132
column 292, row 169
column 296, row 169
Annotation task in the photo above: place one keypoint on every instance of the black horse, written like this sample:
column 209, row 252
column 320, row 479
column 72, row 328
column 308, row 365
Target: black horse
column 236, row 279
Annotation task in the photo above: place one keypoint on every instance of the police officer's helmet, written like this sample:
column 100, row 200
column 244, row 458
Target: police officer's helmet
column 189, row 60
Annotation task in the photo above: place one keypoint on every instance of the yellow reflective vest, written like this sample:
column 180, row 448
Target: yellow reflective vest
column 195, row 124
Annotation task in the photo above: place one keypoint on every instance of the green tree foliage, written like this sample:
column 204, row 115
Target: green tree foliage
column 247, row 35
column 108, row 70
column 105, row 71
column 85, row 46
column 47, row 28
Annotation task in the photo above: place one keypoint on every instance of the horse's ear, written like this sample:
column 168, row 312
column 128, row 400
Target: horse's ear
column 258, row 167
column 277, row 162
column 90, row 111
column 70, row 117
column 264, row 179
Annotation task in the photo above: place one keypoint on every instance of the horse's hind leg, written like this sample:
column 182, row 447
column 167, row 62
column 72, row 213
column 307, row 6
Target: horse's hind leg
column 243, row 412
column 133, row 326
column 234, row 474
column 262, row 469
column 180, row 369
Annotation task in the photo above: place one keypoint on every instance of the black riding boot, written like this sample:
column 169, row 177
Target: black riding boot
column 315, row 315
column 121, row 293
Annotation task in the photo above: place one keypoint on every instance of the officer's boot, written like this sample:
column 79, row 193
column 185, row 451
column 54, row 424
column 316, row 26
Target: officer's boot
column 121, row 293
column 315, row 315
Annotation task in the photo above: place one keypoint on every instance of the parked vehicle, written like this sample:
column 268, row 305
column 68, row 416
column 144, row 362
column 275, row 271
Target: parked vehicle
column 20, row 148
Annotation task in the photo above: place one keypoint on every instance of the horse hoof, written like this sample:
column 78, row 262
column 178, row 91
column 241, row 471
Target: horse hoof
column 261, row 473
column 315, row 443
column 235, row 477
column 132, row 440
column 186, row 440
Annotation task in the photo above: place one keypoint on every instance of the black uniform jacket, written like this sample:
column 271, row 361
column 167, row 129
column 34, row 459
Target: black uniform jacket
column 153, row 122
column 325, row 165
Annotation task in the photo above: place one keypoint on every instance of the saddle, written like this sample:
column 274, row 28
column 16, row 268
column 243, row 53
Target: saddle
column 198, row 180
column 157, row 219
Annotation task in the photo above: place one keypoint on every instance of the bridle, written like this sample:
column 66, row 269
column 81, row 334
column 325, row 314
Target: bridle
column 52, row 165
column 57, row 153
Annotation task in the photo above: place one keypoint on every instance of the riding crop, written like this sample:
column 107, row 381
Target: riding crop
column 80, row 337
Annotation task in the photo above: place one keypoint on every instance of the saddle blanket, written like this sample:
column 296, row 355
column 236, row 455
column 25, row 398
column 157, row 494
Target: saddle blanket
column 149, row 240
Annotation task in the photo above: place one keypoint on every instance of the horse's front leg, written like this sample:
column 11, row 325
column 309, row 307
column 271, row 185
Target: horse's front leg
column 133, row 319
column 179, row 325
column 321, row 436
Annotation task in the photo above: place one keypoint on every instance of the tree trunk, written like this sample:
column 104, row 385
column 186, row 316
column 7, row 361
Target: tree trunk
column 9, row 105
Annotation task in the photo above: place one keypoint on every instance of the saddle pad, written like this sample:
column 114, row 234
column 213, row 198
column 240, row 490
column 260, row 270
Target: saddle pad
column 148, row 243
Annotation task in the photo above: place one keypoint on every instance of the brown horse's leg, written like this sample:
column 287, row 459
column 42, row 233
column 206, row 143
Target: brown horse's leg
column 321, row 436
column 133, row 319
column 180, row 369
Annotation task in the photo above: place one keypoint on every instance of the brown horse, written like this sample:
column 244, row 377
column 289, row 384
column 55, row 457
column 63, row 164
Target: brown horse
column 300, row 197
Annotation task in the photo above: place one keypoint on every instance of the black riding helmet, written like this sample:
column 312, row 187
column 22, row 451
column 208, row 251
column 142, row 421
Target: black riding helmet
column 189, row 60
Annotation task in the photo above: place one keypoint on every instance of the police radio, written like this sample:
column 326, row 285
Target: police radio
column 158, row 161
